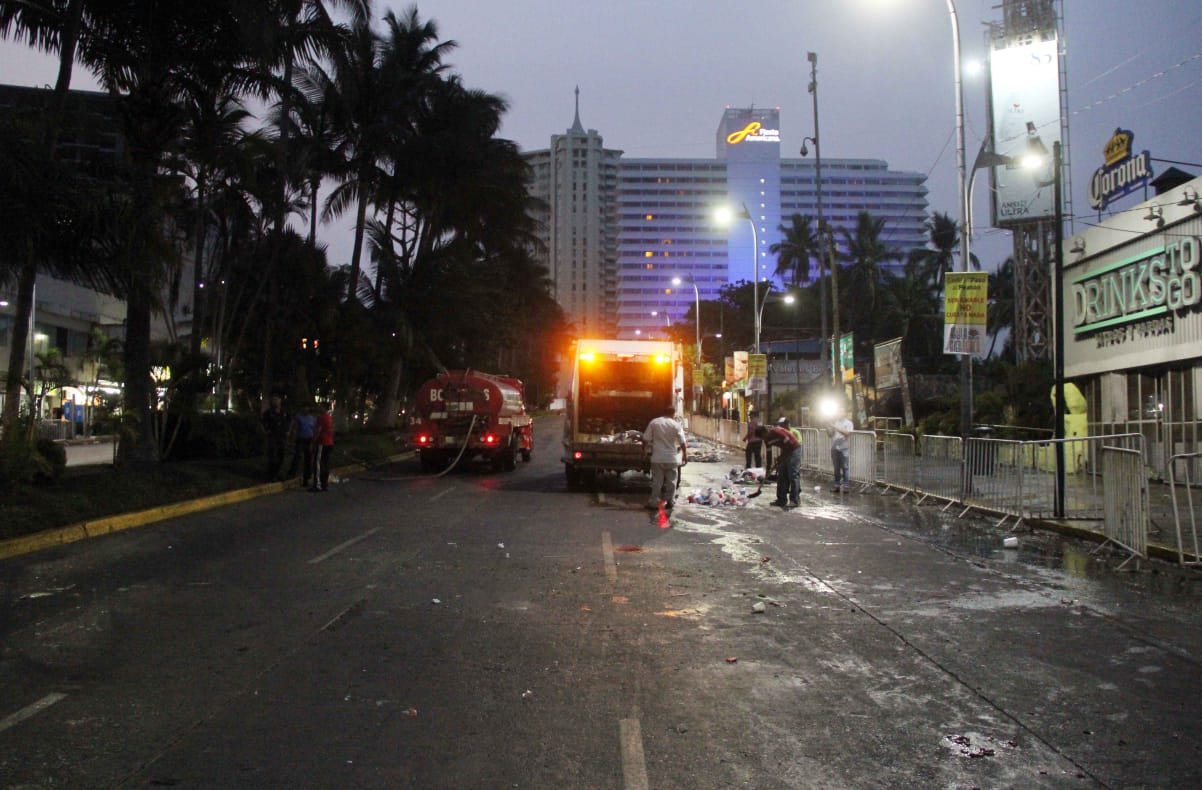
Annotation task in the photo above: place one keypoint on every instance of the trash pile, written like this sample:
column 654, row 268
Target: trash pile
column 754, row 474
column 703, row 451
column 625, row 437
column 723, row 497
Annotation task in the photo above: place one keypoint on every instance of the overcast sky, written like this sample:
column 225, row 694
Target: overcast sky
column 655, row 75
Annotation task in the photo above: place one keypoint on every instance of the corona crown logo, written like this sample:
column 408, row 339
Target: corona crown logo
column 1118, row 147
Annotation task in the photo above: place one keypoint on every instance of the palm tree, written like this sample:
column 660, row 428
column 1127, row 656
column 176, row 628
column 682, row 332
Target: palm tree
column 1001, row 301
column 943, row 238
column 797, row 246
column 866, row 255
column 376, row 81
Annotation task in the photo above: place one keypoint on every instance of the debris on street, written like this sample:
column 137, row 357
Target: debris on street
column 723, row 497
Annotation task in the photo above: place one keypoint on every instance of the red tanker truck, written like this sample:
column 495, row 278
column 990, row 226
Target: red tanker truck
column 465, row 414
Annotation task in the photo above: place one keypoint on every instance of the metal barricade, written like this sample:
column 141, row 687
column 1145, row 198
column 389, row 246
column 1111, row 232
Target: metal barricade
column 815, row 450
column 1185, row 474
column 1125, row 500
column 862, row 458
column 56, row 430
column 993, row 477
column 897, row 468
column 939, row 467
column 1082, row 475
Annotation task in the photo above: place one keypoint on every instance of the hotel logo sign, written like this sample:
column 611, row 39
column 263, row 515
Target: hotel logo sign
column 1151, row 285
column 754, row 132
column 1121, row 174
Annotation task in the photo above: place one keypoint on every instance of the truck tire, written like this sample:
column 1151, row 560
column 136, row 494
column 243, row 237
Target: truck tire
column 525, row 455
column 572, row 475
column 509, row 457
column 427, row 461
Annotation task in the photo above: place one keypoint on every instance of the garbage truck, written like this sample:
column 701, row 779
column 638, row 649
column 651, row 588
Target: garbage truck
column 616, row 388
column 466, row 414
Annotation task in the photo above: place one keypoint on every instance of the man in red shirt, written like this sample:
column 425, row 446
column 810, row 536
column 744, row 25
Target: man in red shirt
column 323, row 446
column 788, row 464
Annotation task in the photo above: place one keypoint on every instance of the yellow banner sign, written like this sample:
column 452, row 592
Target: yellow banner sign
column 965, row 312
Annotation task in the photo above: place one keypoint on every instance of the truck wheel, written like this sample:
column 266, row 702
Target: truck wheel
column 509, row 457
column 525, row 455
column 426, row 460
column 572, row 475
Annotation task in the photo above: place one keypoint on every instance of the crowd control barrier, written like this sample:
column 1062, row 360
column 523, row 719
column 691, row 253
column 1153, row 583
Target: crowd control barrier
column 1125, row 500
column 993, row 477
column 939, row 468
column 862, row 458
column 1185, row 474
column 897, row 468
column 1082, row 475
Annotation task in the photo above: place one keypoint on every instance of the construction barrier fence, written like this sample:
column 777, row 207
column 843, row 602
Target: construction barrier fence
column 1185, row 475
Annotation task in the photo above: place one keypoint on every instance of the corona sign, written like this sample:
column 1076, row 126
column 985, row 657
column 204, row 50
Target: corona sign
column 1121, row 174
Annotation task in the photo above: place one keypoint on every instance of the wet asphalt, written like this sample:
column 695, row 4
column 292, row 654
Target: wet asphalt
column 494, row 630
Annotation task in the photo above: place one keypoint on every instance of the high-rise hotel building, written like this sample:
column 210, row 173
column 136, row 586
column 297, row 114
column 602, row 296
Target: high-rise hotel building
column 619, row 230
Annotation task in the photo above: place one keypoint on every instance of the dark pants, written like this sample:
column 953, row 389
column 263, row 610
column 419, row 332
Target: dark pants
column 302, row 459
column 275, row 456
column 753, row 453
column 788, row 479
column 321, row 472
column 840, row 461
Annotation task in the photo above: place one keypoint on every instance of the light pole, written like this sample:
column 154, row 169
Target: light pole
column 1058, row 324
column 961, row 184
column 725, row 216
column 824, row 263
column 696, row 312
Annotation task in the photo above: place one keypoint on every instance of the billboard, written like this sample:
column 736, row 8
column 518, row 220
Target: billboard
column 757, row 373
column 1025, row 118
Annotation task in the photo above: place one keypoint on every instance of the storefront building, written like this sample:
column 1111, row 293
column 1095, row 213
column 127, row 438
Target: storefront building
column 1132, row 340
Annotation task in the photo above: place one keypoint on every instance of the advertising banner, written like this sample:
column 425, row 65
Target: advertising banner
column 740, row 366
column 887, row 364
column 965, row 312
column 757, row 373
column 1025, row 110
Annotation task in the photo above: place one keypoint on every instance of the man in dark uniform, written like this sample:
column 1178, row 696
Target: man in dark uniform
column 788, row 464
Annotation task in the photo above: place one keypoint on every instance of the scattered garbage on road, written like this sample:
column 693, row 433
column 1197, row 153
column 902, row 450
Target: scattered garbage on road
column 723, row 497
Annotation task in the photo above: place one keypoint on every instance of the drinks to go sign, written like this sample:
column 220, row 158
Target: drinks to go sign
column 965, row 312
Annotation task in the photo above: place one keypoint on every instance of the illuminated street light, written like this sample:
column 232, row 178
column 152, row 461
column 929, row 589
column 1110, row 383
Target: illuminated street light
column 726, row 215
column 696, row 311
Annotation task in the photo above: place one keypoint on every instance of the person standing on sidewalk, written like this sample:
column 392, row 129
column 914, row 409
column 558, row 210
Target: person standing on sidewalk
column 840, row 431
column 755, row 445
column 664, row 437
column 323, row 446
column 275, row 424
column 788, row 464
column 304, row 425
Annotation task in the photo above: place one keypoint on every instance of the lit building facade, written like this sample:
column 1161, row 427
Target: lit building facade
column 663, row 226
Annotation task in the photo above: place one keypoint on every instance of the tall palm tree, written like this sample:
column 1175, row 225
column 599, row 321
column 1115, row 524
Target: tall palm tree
column 376, row 81
column 939, row 256
column 797, row 246
column 1001, row 301
column 866, row 254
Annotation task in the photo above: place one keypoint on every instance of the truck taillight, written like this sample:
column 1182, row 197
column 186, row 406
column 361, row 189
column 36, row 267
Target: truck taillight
column 423, row 439
column 577, row 455
column 490, row 438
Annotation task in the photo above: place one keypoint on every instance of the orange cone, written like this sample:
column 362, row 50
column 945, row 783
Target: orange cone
column 662, row 517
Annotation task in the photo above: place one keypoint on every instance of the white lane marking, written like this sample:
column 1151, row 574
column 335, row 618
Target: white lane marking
column 634, row 765
column 31, row 710
column 345, row 545
column 607, row 550
column 442, row 493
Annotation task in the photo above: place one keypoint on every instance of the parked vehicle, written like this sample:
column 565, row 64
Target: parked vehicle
column 465, row 414
column 617, row 387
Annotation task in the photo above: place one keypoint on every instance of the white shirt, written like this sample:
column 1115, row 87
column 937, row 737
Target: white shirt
column 665, row 436
column 840, row 429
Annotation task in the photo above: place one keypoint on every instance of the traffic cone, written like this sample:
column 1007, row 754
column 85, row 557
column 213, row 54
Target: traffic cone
column 662, row 517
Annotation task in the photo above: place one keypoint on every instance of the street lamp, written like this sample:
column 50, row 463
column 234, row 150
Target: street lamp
column 962, row 188
column 824, row 263
column 725, row 216
column 696, row 311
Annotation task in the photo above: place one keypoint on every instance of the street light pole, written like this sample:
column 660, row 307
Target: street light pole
column 824, row 263
column 696, row 313
column 961, row 185
column 1058, row 324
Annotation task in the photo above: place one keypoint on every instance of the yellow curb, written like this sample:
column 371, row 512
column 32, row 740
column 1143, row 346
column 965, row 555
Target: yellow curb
column 107, row 525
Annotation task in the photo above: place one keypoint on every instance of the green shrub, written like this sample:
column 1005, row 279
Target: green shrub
column 221, row 435
column 23, row 461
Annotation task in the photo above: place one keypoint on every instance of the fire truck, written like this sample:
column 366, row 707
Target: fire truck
column 617, row 388
column 466, row 414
